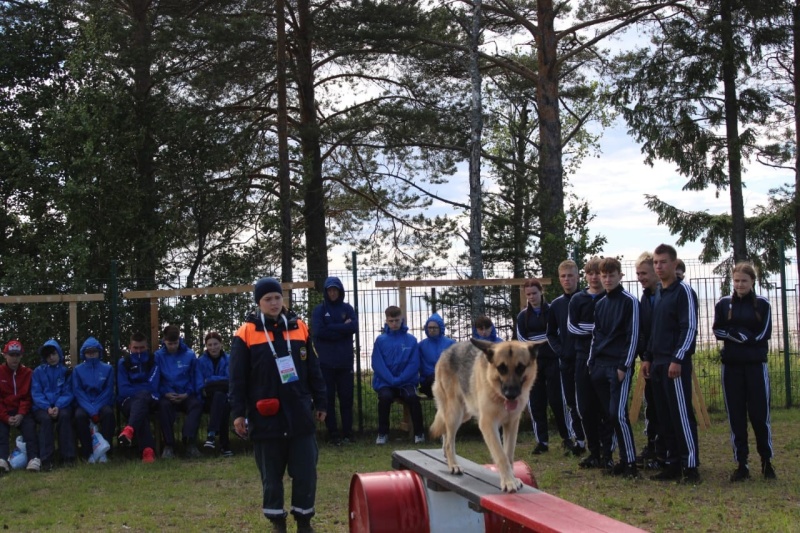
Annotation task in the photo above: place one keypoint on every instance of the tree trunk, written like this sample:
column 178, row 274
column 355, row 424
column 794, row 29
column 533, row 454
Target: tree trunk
column 519, row 222
column 729, row 73
column 145, row 249
column 796, row 81
column 283, row 147
column 475, row 193
column 314, row 193
column 551, row 173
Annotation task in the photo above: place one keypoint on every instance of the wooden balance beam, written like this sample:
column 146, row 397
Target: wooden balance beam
column 471, row 502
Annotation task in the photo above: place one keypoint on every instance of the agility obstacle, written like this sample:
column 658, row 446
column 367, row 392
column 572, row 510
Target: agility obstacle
column 421, row 496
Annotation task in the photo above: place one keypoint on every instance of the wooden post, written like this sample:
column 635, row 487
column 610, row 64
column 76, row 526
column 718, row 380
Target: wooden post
column 73, row 333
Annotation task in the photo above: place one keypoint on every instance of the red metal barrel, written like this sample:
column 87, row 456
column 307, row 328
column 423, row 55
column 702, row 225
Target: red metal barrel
column 388, row 502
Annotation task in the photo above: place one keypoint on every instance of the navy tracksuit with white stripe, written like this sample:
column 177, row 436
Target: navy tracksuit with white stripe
column 672, row 340
column 580, row 323
column 547, row 389
column 614, row 340
column 745, row 326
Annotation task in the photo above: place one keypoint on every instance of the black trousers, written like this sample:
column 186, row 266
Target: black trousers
column 297, row 454
column 387, row 395
column 339, row 382
column 547, row 390
column 168, row 414
column 746, row 391
column 219, row 416
column 137, row 409
column 47, row 434
column 599, row 438
column 613, row 395
column 571, row 415
column 28, row 429
column 678, row 426
column 106, row 426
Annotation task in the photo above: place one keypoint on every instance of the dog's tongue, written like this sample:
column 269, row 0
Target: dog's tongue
column 511, row 405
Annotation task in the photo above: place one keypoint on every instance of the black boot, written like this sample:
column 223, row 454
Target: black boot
column 741, row 473
column 304, row 524
column 670, row 472
column 278, row 525
column 767, row 469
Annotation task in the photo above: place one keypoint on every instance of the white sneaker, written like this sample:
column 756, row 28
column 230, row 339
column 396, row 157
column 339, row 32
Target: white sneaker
column 382, row 439
column 4, row 466
column 419, row 439
column 34, row 465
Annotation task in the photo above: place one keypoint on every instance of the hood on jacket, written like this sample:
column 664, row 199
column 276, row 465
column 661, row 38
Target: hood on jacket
column 439, row 322
column 333, row 281
column 492, row 336
column 403, row 329
column 91, row 342
column 54, row 344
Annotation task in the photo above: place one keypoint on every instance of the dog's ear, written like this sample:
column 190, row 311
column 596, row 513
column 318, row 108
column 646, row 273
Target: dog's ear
column 533, row 348
column 484, row 346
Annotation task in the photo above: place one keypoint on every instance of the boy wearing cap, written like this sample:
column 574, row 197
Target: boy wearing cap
column 178, row 392
column 15, row 406
column 93, row 387
column 277, row 386
column 52, row 404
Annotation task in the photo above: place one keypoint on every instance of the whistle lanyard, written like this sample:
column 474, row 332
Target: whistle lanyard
column 286, row 335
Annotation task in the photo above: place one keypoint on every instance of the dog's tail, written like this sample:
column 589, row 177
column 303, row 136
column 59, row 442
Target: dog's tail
column 438, row 426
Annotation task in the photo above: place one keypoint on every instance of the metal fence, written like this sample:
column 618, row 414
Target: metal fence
column 111, row 321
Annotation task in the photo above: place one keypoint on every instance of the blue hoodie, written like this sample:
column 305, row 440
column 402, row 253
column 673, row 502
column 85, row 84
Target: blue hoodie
column 331, row 334
column 93, row 380
column 137, row 372
column 395, row 359
column 431, row 348
column 492, row 336
column 177, row 370
column 51, row 386
column 207, row 373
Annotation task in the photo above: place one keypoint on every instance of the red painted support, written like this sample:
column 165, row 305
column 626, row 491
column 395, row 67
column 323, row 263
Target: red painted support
column 423, row 496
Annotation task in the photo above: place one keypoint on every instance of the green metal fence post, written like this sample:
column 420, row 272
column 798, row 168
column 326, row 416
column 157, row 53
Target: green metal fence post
column 115, row 336
column 785, row 318
column 358, row 348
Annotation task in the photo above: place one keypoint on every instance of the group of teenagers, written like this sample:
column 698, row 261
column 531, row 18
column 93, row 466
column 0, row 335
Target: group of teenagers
column 593, row 338
column 55, row 402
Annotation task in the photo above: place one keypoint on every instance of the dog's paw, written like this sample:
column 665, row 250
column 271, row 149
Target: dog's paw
column 511, row 484
column 456, row 470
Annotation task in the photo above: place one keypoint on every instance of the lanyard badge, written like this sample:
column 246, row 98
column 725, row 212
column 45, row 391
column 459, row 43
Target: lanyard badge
column 286, row 368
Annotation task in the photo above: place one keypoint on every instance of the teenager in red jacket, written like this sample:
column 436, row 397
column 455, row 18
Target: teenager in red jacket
column 16, row 406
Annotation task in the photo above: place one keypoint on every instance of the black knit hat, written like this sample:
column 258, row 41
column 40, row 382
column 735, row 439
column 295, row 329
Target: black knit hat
column 265, row 286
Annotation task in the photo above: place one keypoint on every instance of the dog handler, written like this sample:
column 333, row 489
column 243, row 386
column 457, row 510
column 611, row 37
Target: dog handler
column 277, row 387
column 743, row 322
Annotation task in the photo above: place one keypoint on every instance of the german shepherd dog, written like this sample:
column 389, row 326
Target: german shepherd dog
column 491, row 382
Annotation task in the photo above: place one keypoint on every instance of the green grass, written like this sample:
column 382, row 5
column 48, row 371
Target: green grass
column 225, row 495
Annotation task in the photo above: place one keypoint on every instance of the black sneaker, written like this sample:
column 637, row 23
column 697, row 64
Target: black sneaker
column 226, row 452
column 669, row 473
column 768, row 470
column 741, row 473
column 690, row 476
column 540, row 449
column 631, row 471
column 210, row 443
column 578, row 450
column 615, row 469
column 591, row 461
